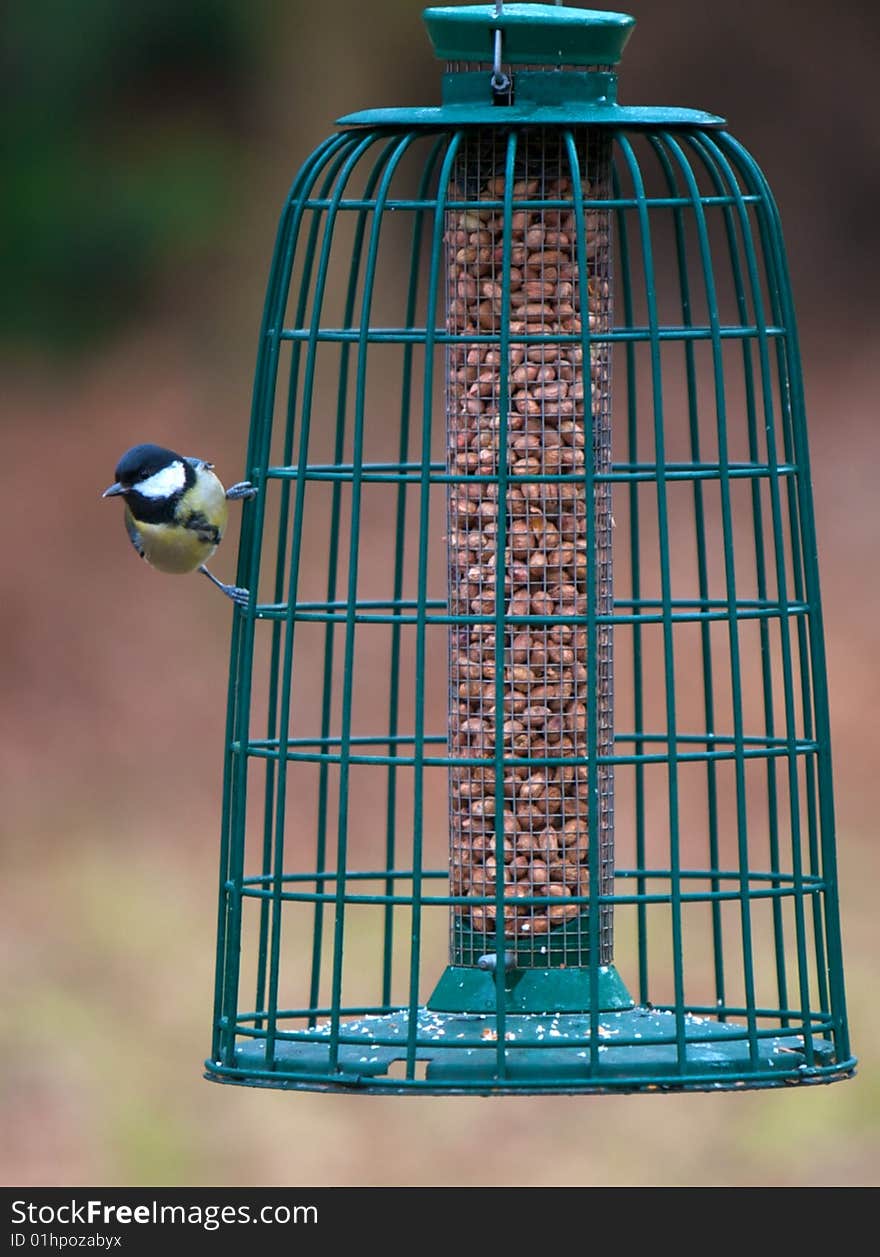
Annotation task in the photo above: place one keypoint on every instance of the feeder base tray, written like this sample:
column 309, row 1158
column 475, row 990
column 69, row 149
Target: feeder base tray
column 635, row 1050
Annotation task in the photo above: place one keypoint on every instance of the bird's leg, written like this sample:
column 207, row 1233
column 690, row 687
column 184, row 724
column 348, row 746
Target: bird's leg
column 244, row 489
column 241, row 597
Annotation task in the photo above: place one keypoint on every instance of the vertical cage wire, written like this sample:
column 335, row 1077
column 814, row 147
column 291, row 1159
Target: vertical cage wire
column 521, row 694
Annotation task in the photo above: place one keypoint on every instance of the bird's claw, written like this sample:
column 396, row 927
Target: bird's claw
column 241, row 597
column 244, row 489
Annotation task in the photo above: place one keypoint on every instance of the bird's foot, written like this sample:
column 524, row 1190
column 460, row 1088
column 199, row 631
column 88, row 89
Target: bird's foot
column 244, row 489
column 241, row 597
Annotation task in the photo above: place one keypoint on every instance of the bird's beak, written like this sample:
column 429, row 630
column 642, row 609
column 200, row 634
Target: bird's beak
column 113, row 491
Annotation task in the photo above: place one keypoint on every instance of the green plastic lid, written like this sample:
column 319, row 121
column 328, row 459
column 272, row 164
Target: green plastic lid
column 541, row 37
column 533, row 34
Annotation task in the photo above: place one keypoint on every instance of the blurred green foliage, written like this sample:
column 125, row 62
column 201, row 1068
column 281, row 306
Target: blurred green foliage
column 125, row 128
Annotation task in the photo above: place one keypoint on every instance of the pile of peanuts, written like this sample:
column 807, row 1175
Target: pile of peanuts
column 544, row 710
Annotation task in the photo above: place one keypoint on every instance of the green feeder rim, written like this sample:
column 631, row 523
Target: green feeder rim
column 534, row 35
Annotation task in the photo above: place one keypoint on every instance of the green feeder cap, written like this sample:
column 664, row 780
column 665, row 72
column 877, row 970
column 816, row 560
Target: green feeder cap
column 567, row 77
column 534, row 34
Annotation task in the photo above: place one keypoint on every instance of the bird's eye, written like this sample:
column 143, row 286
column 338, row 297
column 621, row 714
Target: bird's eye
column 144, row 475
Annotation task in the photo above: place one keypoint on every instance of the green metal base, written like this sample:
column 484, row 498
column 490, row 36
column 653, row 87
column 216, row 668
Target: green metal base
column 467, row 989
column 635, row 1050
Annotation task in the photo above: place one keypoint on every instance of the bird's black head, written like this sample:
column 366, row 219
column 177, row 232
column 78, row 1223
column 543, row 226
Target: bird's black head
column 151, row 479
column 141, row 462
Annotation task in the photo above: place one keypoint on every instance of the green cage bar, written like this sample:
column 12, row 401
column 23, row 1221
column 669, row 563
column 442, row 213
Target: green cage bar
column 528, row 779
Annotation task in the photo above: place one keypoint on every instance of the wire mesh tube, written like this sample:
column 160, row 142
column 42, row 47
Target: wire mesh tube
column 538, row 504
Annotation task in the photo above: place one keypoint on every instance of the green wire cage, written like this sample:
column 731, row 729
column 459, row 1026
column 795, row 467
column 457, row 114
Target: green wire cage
column 528, row 781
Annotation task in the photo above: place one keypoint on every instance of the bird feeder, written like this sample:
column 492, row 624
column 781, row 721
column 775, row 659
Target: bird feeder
column 528, row 782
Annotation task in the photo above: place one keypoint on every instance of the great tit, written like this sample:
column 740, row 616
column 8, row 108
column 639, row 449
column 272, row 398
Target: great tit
column 175, row 510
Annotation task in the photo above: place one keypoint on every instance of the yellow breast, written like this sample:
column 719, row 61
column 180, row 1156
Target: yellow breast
column 172, row 548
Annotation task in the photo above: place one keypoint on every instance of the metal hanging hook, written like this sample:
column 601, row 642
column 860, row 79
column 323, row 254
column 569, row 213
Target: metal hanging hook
column 500, row 82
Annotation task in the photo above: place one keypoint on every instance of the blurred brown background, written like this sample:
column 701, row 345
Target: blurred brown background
column 150, row 147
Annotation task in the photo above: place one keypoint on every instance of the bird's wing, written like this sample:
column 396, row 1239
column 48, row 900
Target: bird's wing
column 198, row 463
column 133, row 535
column 198, row 523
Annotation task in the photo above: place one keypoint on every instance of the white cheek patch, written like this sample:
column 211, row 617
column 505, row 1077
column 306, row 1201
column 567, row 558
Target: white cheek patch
column 164, row 483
